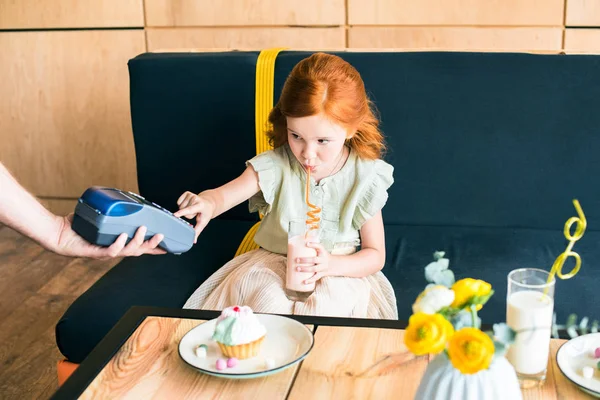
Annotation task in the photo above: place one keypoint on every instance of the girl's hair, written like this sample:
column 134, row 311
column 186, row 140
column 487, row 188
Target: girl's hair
column 326, row 84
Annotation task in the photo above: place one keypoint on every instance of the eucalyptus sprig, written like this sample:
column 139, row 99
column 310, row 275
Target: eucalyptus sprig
column 574, row 329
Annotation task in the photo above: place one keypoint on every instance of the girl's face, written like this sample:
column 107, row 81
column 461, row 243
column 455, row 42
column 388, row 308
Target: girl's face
column 316, row 142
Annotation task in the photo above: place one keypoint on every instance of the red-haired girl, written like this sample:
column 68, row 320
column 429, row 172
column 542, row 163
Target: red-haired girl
column 324, row 123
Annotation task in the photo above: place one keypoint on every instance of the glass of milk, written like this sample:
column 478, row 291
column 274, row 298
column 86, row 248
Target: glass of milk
column 529, row 307
column 295, row 288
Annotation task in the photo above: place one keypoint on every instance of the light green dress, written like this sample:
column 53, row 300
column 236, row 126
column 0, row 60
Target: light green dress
column 348, row 199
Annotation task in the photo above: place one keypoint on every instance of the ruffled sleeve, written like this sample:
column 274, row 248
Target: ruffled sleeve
column 374, row 195
column 268, row 167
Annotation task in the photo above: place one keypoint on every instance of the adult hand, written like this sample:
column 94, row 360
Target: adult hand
column 70, row 243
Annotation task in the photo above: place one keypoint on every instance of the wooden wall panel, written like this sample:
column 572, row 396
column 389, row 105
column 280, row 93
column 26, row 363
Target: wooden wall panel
column 582, row 41
column 245, row 38
column 244, row 12
column 59, row 206
column 457, row 38
column 456, row 12
column 27, row 14
column 64, row 111
column 583, row 13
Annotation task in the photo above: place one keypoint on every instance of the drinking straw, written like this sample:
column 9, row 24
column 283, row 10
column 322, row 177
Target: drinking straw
column 560, row 260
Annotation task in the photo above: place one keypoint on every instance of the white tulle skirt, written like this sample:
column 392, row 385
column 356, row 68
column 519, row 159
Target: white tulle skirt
column 257, row 279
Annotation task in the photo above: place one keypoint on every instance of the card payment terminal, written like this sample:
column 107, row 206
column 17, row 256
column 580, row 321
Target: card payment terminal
column 102, row 214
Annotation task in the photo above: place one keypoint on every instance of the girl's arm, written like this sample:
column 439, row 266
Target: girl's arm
column 367, row 261
column 233, row 193
column 211, row 203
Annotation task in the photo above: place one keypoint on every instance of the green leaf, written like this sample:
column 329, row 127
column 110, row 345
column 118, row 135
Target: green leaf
column 435, row 267
column 555, row 327
column 571, row 326
column 503, row 337
column 504, row 333
column 583, row 325
column 445, row 278
column 571, row 320
column 572, row 331
column 463, row 319
column 480, row 299
column 438, row 272
column 500, row 348
column 449, row 312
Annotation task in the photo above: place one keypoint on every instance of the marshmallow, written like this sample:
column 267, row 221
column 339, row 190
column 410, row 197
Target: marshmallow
column 201, row 351
column 232, row 362
column 221, row 364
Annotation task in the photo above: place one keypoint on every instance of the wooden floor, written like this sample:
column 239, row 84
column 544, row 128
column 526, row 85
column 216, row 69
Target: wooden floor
column 36, row 288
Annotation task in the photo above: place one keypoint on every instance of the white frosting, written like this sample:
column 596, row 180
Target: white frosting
column 247, row 328
column 200, row 352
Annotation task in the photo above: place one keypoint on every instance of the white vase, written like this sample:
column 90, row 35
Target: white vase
column 442, row 381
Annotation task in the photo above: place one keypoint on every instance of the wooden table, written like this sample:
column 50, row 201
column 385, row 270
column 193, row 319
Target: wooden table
column 351, row 358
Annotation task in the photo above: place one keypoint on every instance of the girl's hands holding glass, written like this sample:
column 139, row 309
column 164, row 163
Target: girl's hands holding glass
column 319, row 265
column 197, row 206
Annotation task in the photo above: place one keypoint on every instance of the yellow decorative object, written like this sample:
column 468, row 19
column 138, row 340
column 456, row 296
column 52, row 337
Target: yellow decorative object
column 465, row 289
column 248, row 243
column 470, row 350
column 263, row 98
column 427, row 333
column 579, row 231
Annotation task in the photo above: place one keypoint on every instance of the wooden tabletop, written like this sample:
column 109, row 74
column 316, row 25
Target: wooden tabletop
column 345, row 362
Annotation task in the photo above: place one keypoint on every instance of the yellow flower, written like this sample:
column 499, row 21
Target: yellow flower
column 465, row 289
column 427, row 333
column 470, row 350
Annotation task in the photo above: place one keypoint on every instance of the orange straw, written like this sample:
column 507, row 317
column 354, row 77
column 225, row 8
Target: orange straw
column 312, row 218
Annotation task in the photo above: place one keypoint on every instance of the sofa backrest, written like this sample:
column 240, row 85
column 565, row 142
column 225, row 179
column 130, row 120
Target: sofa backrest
column 476, row 139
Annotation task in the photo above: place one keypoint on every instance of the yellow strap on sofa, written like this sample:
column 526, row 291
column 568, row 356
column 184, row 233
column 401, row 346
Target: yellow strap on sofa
column 263, row 98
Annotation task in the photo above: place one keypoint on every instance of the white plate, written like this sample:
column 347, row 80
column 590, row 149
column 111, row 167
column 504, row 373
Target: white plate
column 287, row 342
column 576, row 354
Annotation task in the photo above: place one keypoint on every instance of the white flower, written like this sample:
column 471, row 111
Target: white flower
column 433, row 299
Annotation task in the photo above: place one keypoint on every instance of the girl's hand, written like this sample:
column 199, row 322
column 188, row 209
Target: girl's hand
column 319, row 264
column 192, row 205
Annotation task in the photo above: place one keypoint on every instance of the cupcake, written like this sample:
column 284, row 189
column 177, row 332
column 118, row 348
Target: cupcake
column 238, row 332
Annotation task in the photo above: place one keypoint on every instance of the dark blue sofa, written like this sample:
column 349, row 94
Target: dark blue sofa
column 489, row 150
